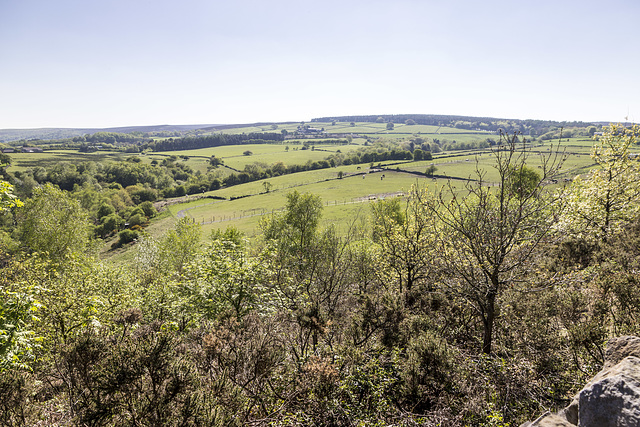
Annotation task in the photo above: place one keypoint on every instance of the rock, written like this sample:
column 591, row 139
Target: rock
column 611, row 398
column 619, row 348
column 612, row 401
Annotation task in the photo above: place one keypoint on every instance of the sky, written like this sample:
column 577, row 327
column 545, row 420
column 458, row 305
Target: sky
column 107, row 63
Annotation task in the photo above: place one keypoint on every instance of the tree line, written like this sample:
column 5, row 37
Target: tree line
column 462, row 122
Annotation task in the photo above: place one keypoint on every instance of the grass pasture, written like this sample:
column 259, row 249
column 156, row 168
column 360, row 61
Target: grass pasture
column 338, row 195
column 233, row 156
column 22, row 161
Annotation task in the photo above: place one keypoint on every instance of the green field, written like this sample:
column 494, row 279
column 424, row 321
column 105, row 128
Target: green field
column 264, row 153
column 366, row 128
column 338, row 195
column 345, row 199
column 22, row 161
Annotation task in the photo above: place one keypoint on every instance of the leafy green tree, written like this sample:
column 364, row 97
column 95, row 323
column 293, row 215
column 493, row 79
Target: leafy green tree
column 223, row 281
column 148, row 209
column 53, row 222
column 109, row 224
column 105, row 209
column 297, row 226
column 181, row 244
column 599, row 203
column 127, row 236
column 390, row 126
column 523, row 181
column 406, row 239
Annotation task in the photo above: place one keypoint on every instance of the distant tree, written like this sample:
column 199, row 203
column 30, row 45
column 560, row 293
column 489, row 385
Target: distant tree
column 247, row 153
column 274, row 126
column 105, row 209
column 431, row 170
column 418, row 154
column 267, row 186
column 215, row 161
column 409, row 122
column 126, row 236
column 380, row 120
column 5, row 160
column 390, row 126
column 523, row 181
column 148, row 209
column 109, row 224
column 352, row 124
column 284, row 132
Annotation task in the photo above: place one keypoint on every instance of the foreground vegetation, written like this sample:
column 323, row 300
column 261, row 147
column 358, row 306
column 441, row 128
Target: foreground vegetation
column 474, row 302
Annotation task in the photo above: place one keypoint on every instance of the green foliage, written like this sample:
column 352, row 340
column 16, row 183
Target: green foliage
column 181, row 244
column 7, row 199
column 109, row 224
column 406, row 236
column 18, row 310
column 599, row 203
column 223, row 281
column 296, row 227
column 523, row 181
column 53, row 222
column 126, row 236
column 148, row 209
column 381, row 324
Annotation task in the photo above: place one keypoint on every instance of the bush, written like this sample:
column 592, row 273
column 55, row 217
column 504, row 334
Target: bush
column 148, row 209
column 126, row 236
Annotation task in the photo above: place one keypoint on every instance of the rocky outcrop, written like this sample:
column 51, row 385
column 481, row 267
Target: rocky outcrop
column 611, row 398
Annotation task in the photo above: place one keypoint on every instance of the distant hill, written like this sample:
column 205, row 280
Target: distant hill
column 461, row 122
column 8, row 135
column 533, row 127
column 213, row 128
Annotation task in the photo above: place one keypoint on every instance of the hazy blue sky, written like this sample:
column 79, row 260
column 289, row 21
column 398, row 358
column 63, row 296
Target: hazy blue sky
column 92, row 63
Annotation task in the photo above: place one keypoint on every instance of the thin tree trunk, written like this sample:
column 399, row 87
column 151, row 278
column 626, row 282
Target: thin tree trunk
column 488, row 322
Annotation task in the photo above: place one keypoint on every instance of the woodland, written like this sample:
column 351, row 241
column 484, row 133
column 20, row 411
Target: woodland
column 478, row 303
